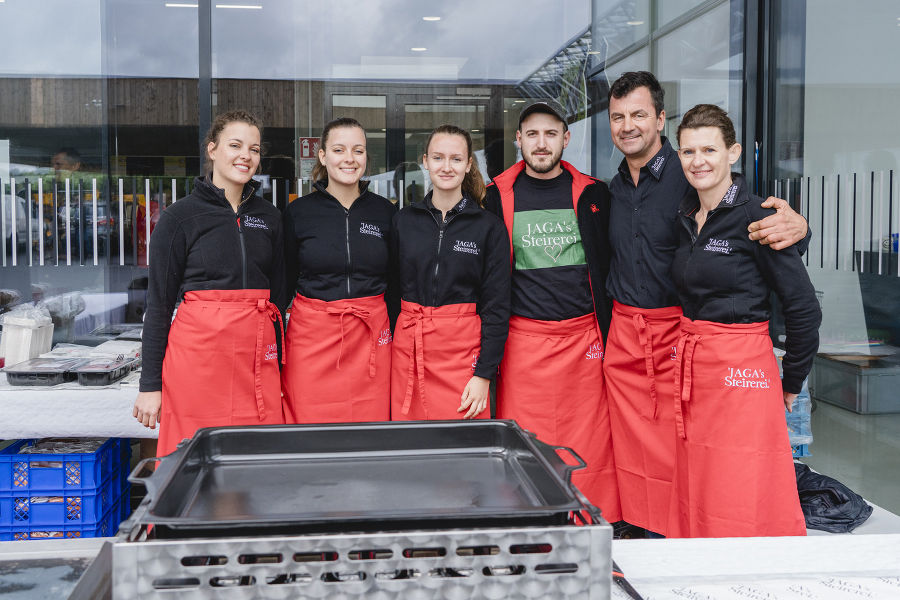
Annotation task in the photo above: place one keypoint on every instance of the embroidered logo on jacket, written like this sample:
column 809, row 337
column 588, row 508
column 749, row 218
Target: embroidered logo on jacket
column 730, row 195
column 747, row 378
column 368, row 229
column 474, row 361
column 594, row 352
column 466, row 247
column 594, row 208
column 271, row 352
column 255, row 223
column 721, row 246
column 385, row 338
column 657, row 165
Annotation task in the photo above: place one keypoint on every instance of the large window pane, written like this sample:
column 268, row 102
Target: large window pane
column 834, row 147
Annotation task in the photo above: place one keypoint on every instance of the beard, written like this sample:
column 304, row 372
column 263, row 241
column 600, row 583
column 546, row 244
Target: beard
column 544, row 167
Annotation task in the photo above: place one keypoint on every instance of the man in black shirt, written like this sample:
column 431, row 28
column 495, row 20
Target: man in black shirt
column 551, row 375
column 640, row 357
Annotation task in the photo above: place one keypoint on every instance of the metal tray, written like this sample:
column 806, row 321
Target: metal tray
column 359, row 477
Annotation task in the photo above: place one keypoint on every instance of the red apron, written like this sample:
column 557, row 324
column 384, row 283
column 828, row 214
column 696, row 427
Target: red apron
column 551, row 382
column 734, row 475
column 639, row 371
column 435, row 351
column 221, row 365
column 338, row 361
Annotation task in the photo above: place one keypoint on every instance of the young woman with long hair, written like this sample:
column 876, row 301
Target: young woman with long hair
column 219, row 251
column 338, row 344
column 453, row 259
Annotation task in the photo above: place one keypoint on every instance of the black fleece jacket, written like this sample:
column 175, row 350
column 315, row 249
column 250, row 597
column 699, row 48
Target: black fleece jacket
column 592, row 210
column 201, row 244
column 334, row 253
column 463, row 259
column 724, row 277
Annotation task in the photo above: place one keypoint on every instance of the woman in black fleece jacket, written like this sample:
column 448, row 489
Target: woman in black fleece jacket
column 219, row 252
column 733, row 468
column 454, row 274
column 338, row 345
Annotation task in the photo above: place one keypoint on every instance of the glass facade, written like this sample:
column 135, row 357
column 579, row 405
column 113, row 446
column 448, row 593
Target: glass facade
column 102, row 114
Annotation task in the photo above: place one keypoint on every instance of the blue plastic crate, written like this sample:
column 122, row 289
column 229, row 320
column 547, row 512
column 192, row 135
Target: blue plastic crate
column 105, row 527
column 49, row 472
column 61, row 507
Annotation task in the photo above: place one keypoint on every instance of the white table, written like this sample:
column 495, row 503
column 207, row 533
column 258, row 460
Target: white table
column 70, row 410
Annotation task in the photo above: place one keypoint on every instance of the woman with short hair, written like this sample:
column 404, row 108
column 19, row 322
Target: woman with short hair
column 734, row 473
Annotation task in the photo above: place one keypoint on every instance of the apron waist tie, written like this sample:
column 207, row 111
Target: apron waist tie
column 268, row 313
column 683, row 371
column 417, row 363
column 646, row 341
column 366, row 317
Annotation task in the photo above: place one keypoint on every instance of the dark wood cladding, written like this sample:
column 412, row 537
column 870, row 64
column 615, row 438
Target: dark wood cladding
column 78, row 102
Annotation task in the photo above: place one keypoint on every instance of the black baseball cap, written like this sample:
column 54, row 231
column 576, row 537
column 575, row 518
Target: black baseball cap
column 549, row 107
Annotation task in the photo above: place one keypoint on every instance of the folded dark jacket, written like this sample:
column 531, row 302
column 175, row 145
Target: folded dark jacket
column 828, row 504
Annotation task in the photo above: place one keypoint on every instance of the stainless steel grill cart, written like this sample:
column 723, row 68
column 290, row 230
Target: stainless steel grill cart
column 457, row 509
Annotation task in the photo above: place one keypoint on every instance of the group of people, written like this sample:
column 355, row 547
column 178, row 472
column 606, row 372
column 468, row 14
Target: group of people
column 627, row 321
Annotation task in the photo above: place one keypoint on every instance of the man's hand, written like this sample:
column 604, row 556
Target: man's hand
column 781, row 230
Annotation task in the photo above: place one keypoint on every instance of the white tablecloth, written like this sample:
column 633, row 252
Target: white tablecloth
column 70, row 410
column 834, row 567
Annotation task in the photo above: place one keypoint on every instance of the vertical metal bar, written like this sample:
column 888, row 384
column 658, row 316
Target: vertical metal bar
column 822, row 237
column 12, row 212
column 837, row 225
column 106, row 198
column 174, row 192
column 134, row 223
column 880, row 219
column 121, row 222
column 40, row 223
column 29, row 222
column 871, row 215
column 808, row 209
column 30, row 219
column 68, row 222
column 147, row 220
column 274, row 191
column 55, row 224
column 94, row 209
column 3, row 221
column 15, row 235
column 853, row 263
column 204, row 74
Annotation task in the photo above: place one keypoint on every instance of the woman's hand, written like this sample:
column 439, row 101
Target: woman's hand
column 789, row 400
column 475, row 397
column 146, row 408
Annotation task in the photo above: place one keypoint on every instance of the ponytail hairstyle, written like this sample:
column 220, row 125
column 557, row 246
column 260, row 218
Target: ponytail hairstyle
column 319, row 172
column 215, row 130
column 473, row 183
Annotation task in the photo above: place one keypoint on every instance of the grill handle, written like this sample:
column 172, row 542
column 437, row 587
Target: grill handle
column 156, row 478
column 564, row 469
column 551, row 453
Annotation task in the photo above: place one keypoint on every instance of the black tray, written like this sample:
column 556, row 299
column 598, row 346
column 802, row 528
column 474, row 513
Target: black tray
column 288, row 479
column 43, row 371
column 103, row 371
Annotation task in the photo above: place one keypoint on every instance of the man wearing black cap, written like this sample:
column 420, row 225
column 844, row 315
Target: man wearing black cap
column 551, row 379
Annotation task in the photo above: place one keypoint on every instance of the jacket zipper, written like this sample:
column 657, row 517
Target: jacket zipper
column 347, row 234
column 243, row 253
column 437, row 261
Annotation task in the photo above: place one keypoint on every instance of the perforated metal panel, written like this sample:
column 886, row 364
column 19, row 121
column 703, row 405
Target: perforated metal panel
column 552, row 562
